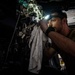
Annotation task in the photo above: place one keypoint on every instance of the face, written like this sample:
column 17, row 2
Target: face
column 56, row 23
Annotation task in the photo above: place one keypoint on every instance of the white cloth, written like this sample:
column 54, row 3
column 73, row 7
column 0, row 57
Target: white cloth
column 36, row 45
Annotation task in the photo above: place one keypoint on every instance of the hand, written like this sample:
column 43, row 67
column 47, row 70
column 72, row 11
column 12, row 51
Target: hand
column 43, row 25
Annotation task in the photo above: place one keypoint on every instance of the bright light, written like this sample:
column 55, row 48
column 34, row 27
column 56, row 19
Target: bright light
column 46, row 17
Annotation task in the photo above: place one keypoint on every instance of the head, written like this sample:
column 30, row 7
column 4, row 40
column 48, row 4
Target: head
column 58, row 20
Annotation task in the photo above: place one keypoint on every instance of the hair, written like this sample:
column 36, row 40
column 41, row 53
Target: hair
column 59, row 13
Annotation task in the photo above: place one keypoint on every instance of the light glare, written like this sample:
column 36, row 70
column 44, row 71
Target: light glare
column 46, row 17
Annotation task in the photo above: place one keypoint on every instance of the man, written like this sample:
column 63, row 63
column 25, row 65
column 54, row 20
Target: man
column 63, row 38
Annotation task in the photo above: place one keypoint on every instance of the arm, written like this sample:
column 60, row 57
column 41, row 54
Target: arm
column 63, row 42
column 49, row 52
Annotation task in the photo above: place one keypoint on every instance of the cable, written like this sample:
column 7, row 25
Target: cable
column 12, row 37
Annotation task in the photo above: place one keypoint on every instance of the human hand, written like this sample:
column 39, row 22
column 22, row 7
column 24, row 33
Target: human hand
column 43, row 25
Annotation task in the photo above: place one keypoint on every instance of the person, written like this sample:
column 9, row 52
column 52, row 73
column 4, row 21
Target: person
column 62, row 36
